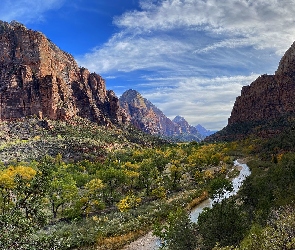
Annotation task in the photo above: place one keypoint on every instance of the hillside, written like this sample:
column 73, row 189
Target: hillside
column 79, row 139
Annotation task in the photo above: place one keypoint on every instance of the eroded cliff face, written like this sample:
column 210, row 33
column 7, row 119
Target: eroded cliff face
column 37, row 78
column 146, row 116
column 269, row 96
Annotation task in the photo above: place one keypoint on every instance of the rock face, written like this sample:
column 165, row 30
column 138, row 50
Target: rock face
column 267, row 105
column 37, row 78
column 269, row 96
column 146, row 116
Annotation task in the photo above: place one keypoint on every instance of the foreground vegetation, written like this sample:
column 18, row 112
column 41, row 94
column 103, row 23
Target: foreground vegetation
column 261, row 216
column 77, row 186
column 97, row 188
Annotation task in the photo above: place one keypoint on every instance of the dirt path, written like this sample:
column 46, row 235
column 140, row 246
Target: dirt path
column 146, row 242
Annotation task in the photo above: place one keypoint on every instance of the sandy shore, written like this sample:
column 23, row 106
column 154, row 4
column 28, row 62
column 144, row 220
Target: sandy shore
column 146, row 242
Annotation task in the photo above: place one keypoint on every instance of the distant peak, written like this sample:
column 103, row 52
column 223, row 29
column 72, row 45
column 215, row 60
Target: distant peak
column 179, row 118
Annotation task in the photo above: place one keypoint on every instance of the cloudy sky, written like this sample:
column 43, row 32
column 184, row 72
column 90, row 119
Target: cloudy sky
column 188, row 57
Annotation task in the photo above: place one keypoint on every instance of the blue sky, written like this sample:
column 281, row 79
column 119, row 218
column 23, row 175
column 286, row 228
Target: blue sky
column 188, row 57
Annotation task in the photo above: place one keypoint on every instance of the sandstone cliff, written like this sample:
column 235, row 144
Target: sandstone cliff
column 267, row 106
column 146, row 116
column 37, row 78
column 269, row 96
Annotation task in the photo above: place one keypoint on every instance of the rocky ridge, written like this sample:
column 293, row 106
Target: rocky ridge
column 37, row 78
column 147, row 117
column 267, row 105
column 204, row 132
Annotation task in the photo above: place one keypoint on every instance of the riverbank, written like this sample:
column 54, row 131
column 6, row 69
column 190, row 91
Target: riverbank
column 149, row 241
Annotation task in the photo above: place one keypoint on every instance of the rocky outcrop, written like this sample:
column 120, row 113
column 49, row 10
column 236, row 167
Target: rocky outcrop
column 267, row 105
column 269, row 96
column 187, row 131
column 37, row 78
column 203, row 131
column 146, row 116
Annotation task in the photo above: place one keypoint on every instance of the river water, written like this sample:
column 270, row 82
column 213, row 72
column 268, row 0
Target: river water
column 237, row 182
column 149, row 242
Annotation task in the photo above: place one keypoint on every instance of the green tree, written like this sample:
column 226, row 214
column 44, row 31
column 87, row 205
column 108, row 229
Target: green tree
column 225, row 223
column 113, row 180
column 63, row 191
column 219, row 187
column 179, row 233
column 278, row 234
column 148, row 174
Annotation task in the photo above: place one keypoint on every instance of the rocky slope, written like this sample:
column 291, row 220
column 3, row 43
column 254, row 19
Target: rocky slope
column 148, row 118
column 187, row 131
column 37, row 78
column 203, row 131
column 267, row 106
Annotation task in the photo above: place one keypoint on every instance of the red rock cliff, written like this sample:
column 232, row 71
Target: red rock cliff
column 269, row 96
column 37, row 78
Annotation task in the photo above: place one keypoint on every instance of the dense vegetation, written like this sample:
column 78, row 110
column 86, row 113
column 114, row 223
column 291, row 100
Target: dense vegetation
column 93, row 186
column 78, row 186
column 261, row 216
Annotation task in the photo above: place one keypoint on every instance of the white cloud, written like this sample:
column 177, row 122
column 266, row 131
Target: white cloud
column 192, row 54
column 164, row 34
column 256, row 21
column 26, row 10
column 205, row 101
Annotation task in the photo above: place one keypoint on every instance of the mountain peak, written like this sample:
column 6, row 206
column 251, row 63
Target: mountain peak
column 179, row 119
column 266, row 106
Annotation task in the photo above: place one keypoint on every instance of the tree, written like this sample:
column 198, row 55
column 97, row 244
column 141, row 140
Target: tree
column 148, row 174
column 92, row 195
column 179, row 233
column 225, row 223
column 63, row 190
column 219, row 187
column 279, row 232
column 113, row 179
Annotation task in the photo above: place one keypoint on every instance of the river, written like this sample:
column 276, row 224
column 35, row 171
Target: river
column 150, row 242
column 237, row 182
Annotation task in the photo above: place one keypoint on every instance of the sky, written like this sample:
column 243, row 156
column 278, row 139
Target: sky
column 188, row 57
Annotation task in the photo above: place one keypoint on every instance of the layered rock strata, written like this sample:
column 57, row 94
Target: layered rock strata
column 38, row 78
column 269, row 96
column 146, row 116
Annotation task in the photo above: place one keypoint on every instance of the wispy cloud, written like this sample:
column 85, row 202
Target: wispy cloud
column 26, row 10
column 195, row 55
column 200, row 100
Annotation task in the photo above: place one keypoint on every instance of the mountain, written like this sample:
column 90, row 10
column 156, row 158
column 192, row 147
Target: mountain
column 184, row 125
column 187, row 132
column 147, row 117
column 204, row 132
column 266, row 106
column 39, row 79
